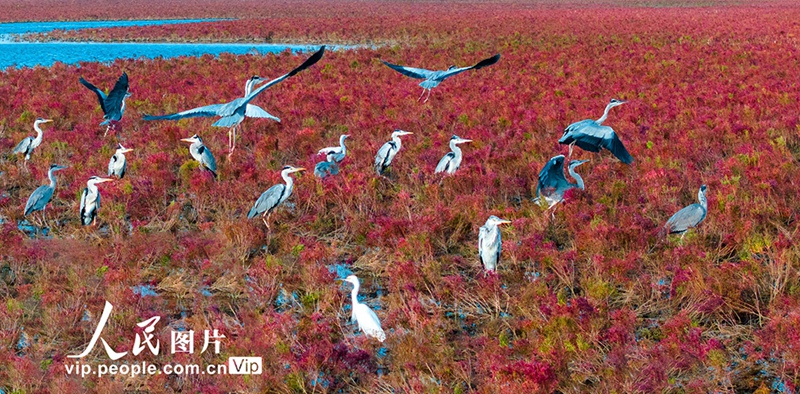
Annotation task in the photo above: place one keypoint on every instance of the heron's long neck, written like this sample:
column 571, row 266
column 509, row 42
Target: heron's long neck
column 456, row 150
column 288, row 179
column 51, row 174
column 122, row 107
column 92, row 188
column 341, row 143
column 703, row 201
column 38, row 139
column 354, row 294
column 397, row 143
column 248, row 87
column 577, row 178
column 605, row 114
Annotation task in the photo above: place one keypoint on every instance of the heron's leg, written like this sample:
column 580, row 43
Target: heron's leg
column 265, row 218
column 233, row 142
column 421, row 94
column 570, row 149
column 429, row 96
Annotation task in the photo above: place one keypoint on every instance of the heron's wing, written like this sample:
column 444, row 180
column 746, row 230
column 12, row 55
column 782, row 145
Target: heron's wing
column 368, row 322
column 39, row 198
column 254, row 111
column 205, row 111
column 23, row 145
column 481, row 237
column 207, row 159
column 442, row 166
column 551, row 177
column 483, row 63
column 616, row 147
column 689, row 216
column 101, row 96
column 306, row 64
column 588, row 135
column 268, row 200
column 329, row 150
column 384, row 156
column 113, row 103
column 83, row 205
column 419, row 73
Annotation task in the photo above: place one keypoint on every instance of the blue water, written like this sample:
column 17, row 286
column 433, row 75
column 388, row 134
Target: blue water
column 44, row 27
column 31, row 54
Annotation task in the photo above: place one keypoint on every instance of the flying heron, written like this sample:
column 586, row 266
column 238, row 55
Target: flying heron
column 42, row 195
column 552, row 182
column 90, row 200
column 233, row 113
column 337, row 153
column 113, row 104
column 366, row 318
column 490, row 242
column 29, row 143
column 690, row 216
column 274, row 196
column 118, row 163
column 452, row 160
column 433, row 78
column 388, row 151
column 591, row 135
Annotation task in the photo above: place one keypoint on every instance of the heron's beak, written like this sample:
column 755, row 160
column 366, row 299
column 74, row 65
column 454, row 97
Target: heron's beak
column 407, row 133
column 503, row 221
column 298, row 169
column 462, row 141
column 126, row 150
column 187, row 140
column 47, row 120
column 104, row 180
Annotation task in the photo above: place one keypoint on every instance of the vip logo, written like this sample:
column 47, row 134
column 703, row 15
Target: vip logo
column 244, row 365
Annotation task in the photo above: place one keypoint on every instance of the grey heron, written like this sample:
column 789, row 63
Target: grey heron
column 366, row 318
column 274, row 196
column 337, row 153
column 552, row 182
column 591, row 135
column 388, row 151
column 690, row 216
column 433, row 78
column 29, row 143
column 42, row 195
column 113, row 103
column 118, row 163
column 233, row 113
column 490, row 242
column 200, row 153
column 452, row 160
column 326, row 168
column 90, row 200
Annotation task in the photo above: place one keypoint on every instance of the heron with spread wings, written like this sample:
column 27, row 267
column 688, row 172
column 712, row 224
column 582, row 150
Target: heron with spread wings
column 591, row 135
column 113, row 103
column 432, row 78
column 232, row 113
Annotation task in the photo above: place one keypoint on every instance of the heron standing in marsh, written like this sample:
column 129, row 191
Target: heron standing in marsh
column 113, row 103
column 232, row 113
column 200, row 153
column 274, row 196
column 490, row 242
column 118, row 163
column 552, row 182
column 433, row 78
column 333, row 155
column 41, row 196
column 591, row 135
column 90, row 200
column 690, row 216
column 388, row 151
column 366, row 318
column 452, row 160
column 29, row 143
